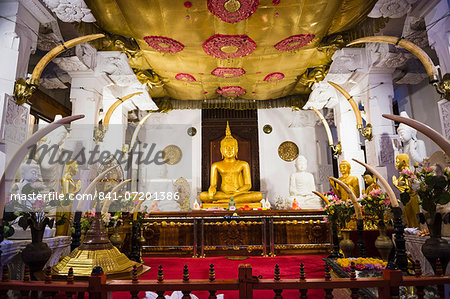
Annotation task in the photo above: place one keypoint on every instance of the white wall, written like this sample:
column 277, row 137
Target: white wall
column 190, row 165
column 275, row 172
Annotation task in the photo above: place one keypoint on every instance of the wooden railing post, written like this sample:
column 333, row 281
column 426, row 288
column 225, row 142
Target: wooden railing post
column 246, row 281
column 96, row 281
column 394, row 278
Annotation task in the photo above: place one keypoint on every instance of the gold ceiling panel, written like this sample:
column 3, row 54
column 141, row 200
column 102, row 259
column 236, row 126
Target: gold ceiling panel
column 191, row 23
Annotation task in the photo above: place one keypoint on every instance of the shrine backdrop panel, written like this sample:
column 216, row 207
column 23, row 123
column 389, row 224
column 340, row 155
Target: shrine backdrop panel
column 244, row 127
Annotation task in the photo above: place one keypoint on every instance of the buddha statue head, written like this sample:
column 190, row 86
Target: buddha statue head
column 405, row 132
column 301, row 164
column 344, row 168
column 401, row 161
column 30, row 171
column 229, row 145
column 369, row 178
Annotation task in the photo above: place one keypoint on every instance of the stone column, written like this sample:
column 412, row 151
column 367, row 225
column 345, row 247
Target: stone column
column 19, row 27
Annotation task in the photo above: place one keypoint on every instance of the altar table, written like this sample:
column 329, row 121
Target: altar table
column 254, row 232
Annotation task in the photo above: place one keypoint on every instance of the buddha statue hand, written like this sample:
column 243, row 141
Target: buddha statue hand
column 211, row 192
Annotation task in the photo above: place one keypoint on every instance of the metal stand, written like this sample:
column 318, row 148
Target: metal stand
column 135, row 252
column 361, row 245
column 401, row 259
column 76, row 235
column 335, row 254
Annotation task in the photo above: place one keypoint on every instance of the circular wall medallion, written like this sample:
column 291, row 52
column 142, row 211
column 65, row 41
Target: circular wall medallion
column 288, row 151
column 191, row 131
column 172, row 154
column 232, row 11
column 229, row 46
column 294, row 42
column 267, row 129
column 164, row 44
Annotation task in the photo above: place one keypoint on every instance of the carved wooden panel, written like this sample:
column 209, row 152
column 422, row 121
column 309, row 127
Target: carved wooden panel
column 244, row 127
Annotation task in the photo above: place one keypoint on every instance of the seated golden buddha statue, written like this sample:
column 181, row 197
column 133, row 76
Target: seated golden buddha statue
column 403, row 185
column 351, row 181
column 371, row 183
column 236, row 180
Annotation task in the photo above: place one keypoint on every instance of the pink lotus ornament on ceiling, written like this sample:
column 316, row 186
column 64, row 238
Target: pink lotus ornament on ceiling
column 274, row 77
column 228, row 72
column 185, row 77
column 229, row 46
column 164, row 44
column 232, row 11
column 231, row 91
column 294, row 42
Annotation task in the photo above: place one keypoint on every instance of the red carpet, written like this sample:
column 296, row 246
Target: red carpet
column 198, row 269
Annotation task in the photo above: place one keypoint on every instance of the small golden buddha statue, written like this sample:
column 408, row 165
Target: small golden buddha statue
column 371, row 183
column 403, row 185
column 68, row 184
column 236, row 180
column 348, row 179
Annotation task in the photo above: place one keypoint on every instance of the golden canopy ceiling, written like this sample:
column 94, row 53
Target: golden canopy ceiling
column 256, row 50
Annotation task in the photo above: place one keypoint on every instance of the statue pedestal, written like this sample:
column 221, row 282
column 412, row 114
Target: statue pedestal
column 225, row 205
column 307, row 202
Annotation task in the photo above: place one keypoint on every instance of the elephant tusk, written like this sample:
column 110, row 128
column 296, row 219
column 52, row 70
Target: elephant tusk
column 39, row 68
column 115, row 105
column 382, row 181
column 327, row 202
column 353, row 198
column 114, row 190
column 352, row 103
column 411, row 47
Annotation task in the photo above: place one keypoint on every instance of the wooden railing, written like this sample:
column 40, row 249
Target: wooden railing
column 98, row 287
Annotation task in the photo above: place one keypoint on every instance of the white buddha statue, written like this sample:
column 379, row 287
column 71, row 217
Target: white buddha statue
column 412, row 146
column 301, row 185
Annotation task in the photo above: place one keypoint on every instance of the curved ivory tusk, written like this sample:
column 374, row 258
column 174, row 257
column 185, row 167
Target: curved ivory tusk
column 352, row 196
column 321, row 196
column 136, row 131
column 92, row 185
column 411, row 47
column 382, row 181
column 115, row 105
column 114, row 190
column 39, row 68
column 16, row 160
column 351, row 101
column 325, row 124
column 437, row 138
column 97, row 179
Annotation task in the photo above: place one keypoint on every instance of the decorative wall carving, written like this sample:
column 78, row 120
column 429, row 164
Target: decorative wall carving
column 386, row 150
column 391, row 8
column 70, row 10
column 347, row 60
column 14, row 126
column 52, row 83
column 382, row 55
column 113, row 63
column 87, row 54
column 412, row 78
column 414, row 30
column 444, row 112
column 323, row 94
column 70, row 64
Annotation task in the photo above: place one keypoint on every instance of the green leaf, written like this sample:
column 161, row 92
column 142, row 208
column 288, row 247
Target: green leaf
column 23, row 222
column 9, row 216
column 8, row 231
column 442, row 198
column 404, row 197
